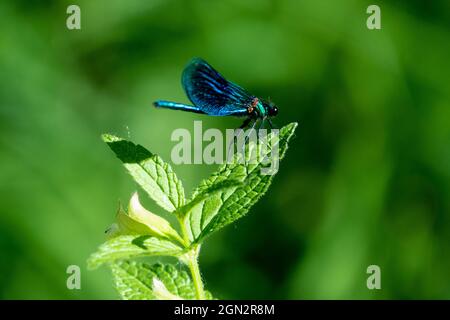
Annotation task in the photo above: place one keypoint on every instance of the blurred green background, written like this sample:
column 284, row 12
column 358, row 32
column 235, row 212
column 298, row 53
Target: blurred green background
column 365, row 181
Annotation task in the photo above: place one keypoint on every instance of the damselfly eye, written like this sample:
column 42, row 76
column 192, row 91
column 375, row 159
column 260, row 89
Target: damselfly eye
column 273, row 111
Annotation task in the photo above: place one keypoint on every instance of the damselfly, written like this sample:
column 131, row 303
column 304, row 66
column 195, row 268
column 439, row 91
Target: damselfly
column 211, row 94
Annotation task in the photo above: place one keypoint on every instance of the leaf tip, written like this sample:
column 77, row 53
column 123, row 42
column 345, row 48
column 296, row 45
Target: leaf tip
column 106, row 137
column 292, row 126
column 91, row 264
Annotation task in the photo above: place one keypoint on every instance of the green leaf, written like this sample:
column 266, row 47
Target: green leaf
column 135, row 281
column 229, row 205
column 197, row 219
column 129, row 246
column 153, row 174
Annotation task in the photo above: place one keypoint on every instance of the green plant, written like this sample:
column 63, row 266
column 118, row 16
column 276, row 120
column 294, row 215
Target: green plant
column 224, row 197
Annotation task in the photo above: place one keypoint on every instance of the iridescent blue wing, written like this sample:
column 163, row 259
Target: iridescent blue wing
column 211, row 93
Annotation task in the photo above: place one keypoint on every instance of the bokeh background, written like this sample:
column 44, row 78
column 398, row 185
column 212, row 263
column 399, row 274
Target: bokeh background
column 365, row 181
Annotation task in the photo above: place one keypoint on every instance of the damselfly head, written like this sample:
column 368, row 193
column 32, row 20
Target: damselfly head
column 271, row 108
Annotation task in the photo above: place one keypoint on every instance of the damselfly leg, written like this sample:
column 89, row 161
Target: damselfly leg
column 236, row 138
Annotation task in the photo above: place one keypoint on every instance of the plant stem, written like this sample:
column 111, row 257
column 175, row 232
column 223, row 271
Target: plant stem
column 184, row 231
column 192, row 262
column 195, row 272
